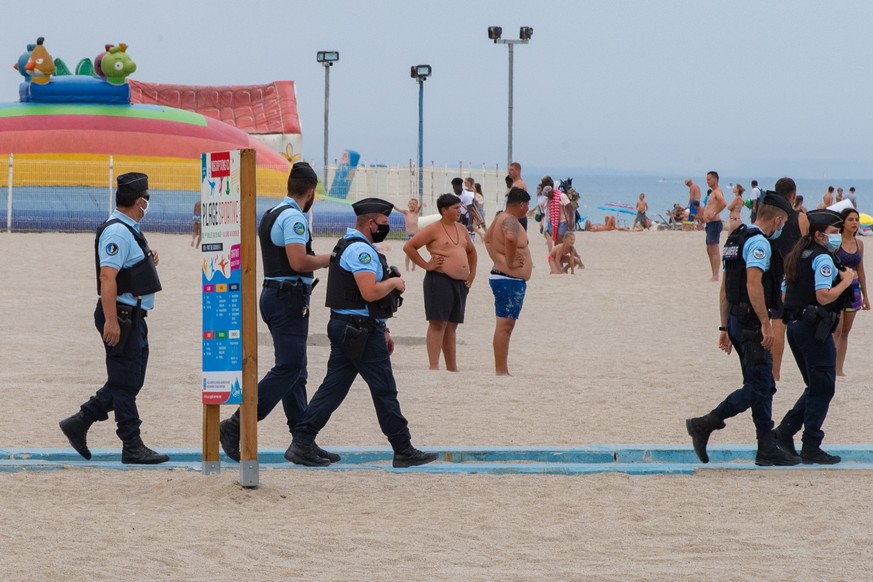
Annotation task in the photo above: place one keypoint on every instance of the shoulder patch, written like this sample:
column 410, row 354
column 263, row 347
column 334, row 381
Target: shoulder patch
column 758, row 253
column 112, row 249
column 826, row 270
column 299, row 228
column 365, row 258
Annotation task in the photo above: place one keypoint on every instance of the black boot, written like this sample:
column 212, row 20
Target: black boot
column 134, row 452
column 812, row 455
column 305, row 455
column 229, row 437
column 76, row 430
column 412, row 457
column 785, row 440
column 699, row 429
column 771, row 453
column 332, row 457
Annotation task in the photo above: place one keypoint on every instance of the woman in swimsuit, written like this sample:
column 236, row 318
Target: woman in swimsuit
column 735, row 208
column 851, row 254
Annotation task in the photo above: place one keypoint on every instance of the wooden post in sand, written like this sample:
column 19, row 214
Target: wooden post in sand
column 229, row 295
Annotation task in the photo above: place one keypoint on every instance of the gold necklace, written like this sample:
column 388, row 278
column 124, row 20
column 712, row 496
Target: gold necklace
column 455, row 228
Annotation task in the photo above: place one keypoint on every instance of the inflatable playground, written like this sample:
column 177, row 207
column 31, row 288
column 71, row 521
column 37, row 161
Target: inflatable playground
column 71, row 132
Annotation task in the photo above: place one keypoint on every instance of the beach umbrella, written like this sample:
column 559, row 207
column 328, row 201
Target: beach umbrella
column 865, row 219
column 617, row 207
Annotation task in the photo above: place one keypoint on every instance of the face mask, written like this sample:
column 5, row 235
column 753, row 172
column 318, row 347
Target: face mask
column 146, row 209
column 834, row 241
column 382, row 231
column 777, row 234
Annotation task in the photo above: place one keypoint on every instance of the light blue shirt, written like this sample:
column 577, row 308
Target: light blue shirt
column 757, row 251
column 290, row 228
column 118, row 249
column 359, row 257
column 825, row 271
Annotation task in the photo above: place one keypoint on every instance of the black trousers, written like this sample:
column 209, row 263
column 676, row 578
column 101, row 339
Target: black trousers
column 374, row 366
column 817, row 361
column 125, row 377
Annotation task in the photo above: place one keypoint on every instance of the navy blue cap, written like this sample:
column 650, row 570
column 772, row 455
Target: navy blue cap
column 372, row 206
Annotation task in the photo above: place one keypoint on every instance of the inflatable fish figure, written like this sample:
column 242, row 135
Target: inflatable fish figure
column 114, row 64
column 40, row 66
column 21, row 65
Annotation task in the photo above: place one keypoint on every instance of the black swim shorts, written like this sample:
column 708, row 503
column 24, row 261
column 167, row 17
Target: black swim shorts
column 445, row 299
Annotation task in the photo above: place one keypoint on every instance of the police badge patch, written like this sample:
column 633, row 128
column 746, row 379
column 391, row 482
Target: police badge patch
column 826, row 270
column 365, row 258
column 112, row 249
column 758, row 253
column 299, row 228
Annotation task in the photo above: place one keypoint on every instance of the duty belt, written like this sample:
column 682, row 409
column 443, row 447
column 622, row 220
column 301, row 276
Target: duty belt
column 296, row 285
column 123, row 310
column 357, row 320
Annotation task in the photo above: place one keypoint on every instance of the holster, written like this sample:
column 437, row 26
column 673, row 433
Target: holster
column 355, row 340
column 744, row 313
column 824, row 322
column 754, row 353
column 125, row 322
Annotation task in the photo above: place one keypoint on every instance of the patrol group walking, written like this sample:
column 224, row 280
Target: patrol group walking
column 783, row 275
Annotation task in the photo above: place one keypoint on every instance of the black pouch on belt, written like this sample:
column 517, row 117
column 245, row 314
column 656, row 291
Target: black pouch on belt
column 355, row 340
column 298, row 300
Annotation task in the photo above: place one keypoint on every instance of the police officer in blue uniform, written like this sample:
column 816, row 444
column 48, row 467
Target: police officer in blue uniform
column 289, row 262
column 362, row 293
column 127, row 280
column 751, row 285
column 816, row 287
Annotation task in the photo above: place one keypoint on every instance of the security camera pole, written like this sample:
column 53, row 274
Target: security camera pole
column 524, row 33
column 327, row 59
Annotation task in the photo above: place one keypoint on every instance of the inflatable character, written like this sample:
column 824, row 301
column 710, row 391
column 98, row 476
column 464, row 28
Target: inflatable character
column 40, row 66
column 114, row 64
column 21, row 65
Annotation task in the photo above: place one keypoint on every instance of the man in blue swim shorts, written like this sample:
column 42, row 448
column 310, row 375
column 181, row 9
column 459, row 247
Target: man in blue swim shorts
column 507, row 245
column 715, row 203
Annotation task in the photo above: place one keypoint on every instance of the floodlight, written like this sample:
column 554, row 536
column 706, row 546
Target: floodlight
column 495, row 32
column 328, row 57
column 525, row 32
column 420, row 72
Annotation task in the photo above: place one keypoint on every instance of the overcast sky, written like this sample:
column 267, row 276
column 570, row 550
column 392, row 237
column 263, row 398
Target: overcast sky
column 746, row 87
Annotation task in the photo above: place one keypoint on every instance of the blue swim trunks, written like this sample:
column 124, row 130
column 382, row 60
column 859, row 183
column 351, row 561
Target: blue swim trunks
column 713, row 232
column 508, row 295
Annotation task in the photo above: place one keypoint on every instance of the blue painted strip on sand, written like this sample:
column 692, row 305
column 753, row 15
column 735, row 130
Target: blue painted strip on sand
column 625, row 458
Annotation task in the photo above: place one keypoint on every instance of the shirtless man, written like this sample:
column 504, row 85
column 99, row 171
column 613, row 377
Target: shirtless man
column 515, row 174
column 693, row 201
column 827, row 199
column 410, row 220
column 450, row 273
column 715, row 203
column 507, row 245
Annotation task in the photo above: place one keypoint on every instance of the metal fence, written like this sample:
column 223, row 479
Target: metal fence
column 76, row 193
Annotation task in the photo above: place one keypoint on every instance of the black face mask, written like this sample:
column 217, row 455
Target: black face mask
column 381, row 233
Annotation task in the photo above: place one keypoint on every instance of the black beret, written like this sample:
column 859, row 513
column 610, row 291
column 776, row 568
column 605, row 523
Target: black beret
column 824, row 217
column 132, row 183
column 302, row 171
column 372, row 206
column 774, row 199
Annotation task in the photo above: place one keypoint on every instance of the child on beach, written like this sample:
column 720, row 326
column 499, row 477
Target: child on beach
column 564, row 258
column 410, row 219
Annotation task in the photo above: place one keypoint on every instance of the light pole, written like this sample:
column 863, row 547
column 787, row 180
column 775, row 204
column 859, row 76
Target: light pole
column 524, row 34
column 327, row 59
column 420, row 73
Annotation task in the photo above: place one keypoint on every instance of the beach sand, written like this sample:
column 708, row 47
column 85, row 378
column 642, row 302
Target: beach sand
column 622, row 352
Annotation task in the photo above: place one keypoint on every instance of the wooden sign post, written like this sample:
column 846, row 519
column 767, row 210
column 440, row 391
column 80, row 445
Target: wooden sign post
column 229, row 299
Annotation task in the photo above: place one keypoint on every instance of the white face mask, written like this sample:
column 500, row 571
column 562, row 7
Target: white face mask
column 145, row 210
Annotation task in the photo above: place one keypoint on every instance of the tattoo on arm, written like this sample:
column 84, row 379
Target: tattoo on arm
column 510, row 225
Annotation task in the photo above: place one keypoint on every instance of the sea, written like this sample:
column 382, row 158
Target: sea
column 664, row 191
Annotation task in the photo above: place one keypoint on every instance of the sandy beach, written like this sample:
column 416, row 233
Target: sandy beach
column 622, row 352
